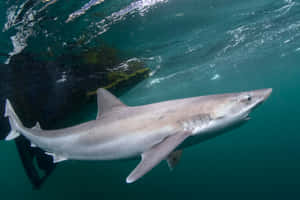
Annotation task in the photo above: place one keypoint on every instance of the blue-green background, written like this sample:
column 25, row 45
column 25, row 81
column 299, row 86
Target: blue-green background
column 194, row 47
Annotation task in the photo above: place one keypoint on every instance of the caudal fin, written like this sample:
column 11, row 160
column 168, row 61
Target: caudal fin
column 14, row 121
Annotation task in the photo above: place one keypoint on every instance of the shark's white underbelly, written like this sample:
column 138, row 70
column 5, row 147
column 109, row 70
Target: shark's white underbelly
column 121, row 147
column 130, row 143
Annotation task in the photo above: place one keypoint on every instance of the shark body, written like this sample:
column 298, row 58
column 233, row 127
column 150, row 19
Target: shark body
column 155, row 131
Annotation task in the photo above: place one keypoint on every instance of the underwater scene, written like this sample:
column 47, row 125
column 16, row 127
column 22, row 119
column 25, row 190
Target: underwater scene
column 55, row 54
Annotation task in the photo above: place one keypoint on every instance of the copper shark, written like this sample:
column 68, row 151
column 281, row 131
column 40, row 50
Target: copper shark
column 156, row 132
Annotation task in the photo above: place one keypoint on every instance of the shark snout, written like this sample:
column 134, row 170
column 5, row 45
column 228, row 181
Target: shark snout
column 267, row 93
column 264, row 94
column 261, row 96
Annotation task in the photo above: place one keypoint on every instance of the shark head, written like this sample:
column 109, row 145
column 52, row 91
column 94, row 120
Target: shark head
column 239, row 105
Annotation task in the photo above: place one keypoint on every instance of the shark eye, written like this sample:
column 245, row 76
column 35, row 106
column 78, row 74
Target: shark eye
column 246, row 98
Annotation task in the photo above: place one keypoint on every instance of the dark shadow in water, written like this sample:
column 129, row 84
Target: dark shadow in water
column 38, row 171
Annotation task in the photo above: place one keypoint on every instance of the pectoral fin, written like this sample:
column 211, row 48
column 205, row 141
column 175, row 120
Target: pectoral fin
column 153, row 156
column 174, row 158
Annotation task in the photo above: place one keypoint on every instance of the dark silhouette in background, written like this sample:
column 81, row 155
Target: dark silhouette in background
column 49, row 91
column 38, row 171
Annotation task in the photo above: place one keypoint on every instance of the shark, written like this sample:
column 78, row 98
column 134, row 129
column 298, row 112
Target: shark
column 154, row 132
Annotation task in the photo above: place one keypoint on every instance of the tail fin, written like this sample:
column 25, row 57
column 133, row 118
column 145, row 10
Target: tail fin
column 14, row 121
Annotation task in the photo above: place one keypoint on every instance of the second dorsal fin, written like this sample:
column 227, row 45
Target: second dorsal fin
column 106, row 102
column 37, row 126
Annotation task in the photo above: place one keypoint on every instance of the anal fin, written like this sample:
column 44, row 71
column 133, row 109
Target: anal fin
column 32, row 145
column 56, row 158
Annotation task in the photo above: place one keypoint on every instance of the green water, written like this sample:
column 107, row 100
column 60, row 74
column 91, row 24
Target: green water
column 197, row 48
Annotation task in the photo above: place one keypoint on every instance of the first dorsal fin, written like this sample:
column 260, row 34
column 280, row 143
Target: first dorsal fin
column 106, row 101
